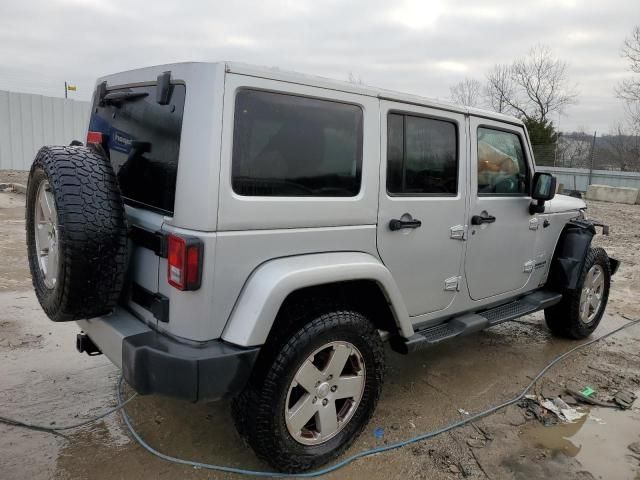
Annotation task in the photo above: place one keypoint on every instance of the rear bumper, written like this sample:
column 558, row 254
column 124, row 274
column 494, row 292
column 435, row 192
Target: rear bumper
column 153, row 363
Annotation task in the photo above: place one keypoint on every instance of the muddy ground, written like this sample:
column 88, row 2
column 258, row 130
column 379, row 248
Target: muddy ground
column 43, row 379
column 14, row 176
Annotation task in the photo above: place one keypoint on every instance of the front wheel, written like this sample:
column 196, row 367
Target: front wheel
column 580, row 311
column 316, row 393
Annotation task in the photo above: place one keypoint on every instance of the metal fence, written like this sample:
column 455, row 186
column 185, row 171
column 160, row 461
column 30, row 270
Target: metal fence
column 581, row 159
column 619, row 152
column 578, row 178
column 28, row 122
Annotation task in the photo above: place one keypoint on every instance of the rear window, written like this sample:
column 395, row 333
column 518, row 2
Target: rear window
column 291, row 146
column 142, row 140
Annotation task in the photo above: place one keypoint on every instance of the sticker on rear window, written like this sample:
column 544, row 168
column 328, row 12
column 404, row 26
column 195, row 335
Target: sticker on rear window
column 120, row 141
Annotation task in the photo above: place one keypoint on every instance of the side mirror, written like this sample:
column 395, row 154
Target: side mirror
column 544, row 188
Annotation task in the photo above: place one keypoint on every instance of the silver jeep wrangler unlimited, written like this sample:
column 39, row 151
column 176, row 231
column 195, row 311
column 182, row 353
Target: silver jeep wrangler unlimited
column 235, row 231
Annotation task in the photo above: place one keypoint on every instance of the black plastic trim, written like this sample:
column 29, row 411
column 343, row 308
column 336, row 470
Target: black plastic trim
column 163, row 89
column 155, row 364
column 117, row 98
column 467, row 323
column 155, row 241
column 155, row 302
column 101, row 91
column 396, row 224
column 570, row 254
column 480, row 219
column 614, row 264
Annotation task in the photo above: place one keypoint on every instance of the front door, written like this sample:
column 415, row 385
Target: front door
column 422, row 203
column 502, row 233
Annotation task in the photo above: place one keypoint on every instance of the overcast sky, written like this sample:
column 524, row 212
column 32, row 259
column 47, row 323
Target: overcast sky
column 416, row 46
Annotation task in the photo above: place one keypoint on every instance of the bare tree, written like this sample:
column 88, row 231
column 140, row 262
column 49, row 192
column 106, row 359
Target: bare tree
column 467, row 92
column 499, row 88
column 619, row 149
column 629, row 90
column 531, row 87
column 573, row 149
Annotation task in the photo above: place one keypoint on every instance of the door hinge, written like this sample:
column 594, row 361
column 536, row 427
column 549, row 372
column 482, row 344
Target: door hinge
column 155, row 302
column 534, row 223
column 452, row 284
column 154, row 241
column 458, row 232
column 528, row 266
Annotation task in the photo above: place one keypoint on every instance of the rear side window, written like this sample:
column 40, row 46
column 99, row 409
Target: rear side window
column 290, row 146
column 502, row 168
column 422, row 156
column 142, row 140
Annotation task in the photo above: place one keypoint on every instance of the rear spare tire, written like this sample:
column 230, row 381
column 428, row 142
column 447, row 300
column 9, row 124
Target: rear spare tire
column 76, row 233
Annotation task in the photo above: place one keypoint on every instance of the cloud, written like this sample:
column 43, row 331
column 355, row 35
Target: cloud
column 451, row 66
column 414, row 46
column 415, row 14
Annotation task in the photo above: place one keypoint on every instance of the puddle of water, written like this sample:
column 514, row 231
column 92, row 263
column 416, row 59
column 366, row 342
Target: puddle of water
column 598, row 441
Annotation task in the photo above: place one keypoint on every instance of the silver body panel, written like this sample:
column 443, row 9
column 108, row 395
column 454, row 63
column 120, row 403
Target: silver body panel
column 270, row 284
column 257, row 250
column 421, row 272
column 109, row 331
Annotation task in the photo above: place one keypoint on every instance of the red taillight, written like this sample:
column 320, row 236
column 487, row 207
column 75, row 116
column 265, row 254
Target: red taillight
column 94, row 137
column 184, row 255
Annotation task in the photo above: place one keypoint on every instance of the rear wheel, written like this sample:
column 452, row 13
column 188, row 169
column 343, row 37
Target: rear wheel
column 580, row 311
column 315, row 393
column 325, row 393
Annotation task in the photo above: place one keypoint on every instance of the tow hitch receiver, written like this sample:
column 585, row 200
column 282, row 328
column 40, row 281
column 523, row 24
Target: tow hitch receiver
column 85, row 344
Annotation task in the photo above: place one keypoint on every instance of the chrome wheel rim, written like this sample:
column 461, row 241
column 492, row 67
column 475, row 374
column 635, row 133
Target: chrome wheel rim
column 46, row 234
column 325, row 393
column 591, row 295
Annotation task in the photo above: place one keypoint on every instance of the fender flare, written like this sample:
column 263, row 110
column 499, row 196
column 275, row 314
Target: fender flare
column 270, row 284
column 570, row 253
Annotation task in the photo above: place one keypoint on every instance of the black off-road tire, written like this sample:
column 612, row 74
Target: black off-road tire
column 258, row 411
column 563, row 319
column 91, row 232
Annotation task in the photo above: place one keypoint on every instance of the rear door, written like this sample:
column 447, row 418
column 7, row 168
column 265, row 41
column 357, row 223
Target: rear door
column 141, row 137
column 500, row 250
column 422, row 203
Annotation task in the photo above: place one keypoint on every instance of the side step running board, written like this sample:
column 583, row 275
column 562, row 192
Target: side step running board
column 474, row 322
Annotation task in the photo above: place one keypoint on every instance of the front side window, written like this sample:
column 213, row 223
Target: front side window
column 502, row 167
column 422, row 156
column 290, row 146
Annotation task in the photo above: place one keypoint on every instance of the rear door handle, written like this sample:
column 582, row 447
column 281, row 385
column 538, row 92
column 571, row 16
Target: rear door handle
column 480, row 219
column 396, row 224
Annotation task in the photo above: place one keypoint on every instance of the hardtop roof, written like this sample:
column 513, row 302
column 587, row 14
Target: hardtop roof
column 275, row 73
column 340, row 85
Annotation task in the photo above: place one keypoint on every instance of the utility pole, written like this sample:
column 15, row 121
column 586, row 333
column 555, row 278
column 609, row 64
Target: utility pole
column 593, row 144
column 69, row 88
column 555, row 153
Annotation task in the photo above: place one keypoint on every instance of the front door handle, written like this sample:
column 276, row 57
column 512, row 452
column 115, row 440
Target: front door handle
column 396, row 224
column 480, row 219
